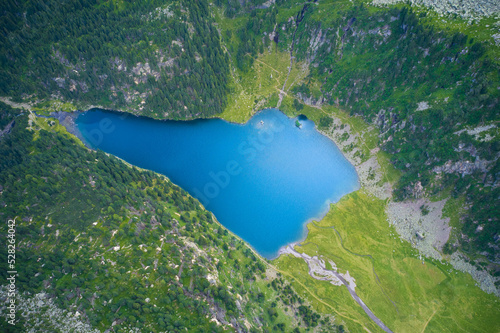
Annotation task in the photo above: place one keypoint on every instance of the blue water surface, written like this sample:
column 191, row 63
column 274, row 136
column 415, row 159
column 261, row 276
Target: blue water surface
column 263, row 180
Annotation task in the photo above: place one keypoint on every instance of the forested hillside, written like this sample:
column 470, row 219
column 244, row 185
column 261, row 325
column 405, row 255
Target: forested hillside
column 157, row 58
column 118, row 247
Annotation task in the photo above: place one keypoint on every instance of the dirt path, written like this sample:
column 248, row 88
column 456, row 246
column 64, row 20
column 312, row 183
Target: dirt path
column 282, row 91
column 274, row 69
column 314, row 262
column 7, row 100
column 361, row 255
column 316, row 297
column 428, row 321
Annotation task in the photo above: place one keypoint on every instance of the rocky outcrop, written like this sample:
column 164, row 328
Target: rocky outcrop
column 40, row 313
column 7, row 129
column 309, row 100
column 463, row 167
column 468, row 9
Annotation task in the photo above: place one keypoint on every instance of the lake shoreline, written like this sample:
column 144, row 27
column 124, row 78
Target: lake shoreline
column 372, row 186
column 289, row 179
column 67, row 119
column 373, row 178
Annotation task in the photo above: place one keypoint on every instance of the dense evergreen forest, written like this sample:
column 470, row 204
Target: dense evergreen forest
column 157, row 58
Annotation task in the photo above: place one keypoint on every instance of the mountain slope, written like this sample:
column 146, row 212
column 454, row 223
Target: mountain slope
column 116, row 247
column 157, row 58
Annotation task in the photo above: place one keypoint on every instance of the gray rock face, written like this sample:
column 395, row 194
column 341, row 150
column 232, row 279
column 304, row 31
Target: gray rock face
column 468, row 9
column 42, row 315
column 462, row 167
column 309, row 100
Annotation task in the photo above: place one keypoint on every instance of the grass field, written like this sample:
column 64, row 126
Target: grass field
column 51, row 125
column 259, row 87
column 44, row 108
column 408, row 294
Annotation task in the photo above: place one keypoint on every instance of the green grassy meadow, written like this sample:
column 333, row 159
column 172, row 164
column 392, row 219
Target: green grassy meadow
column 408, row 294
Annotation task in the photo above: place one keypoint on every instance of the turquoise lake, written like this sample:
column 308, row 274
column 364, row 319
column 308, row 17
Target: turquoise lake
column 263, row 180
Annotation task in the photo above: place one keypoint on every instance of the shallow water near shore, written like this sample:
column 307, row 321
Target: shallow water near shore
column 263, row 180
